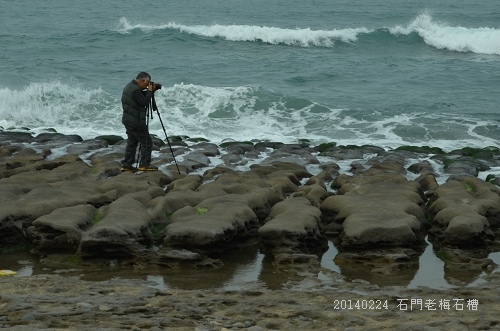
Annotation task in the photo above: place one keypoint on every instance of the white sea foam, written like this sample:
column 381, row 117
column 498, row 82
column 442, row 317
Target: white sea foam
column 68, row 108
column 241, row 113
column 227, row 112
column 483, row 40
column 271, row 35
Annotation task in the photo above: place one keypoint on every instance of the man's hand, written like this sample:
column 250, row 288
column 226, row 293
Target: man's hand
column 151, row 87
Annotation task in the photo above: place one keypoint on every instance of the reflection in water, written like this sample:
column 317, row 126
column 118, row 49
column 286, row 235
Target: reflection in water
column 328, row 257
column 495, row 257
column 467, row 267
column 273, row 278
column 26, row 270
column 430, row 272
column 379, row 267
column 245, row 274
column 462, row 277
column 241, row 267
column 248, row 268
column 158, row 280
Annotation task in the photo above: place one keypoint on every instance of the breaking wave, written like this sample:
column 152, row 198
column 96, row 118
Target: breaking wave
column 439, row 35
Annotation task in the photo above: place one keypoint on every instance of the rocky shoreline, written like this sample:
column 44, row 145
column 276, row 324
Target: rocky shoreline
column 65, row 195
column 57, row 302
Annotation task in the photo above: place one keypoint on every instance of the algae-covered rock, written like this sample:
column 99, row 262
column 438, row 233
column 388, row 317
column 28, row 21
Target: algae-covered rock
column 421, row 149
column 110, row 139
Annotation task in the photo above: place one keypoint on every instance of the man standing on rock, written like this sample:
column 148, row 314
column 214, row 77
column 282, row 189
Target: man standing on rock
column 136, row 98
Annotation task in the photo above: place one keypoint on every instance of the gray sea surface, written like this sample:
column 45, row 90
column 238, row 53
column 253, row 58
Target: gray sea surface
column 388, row 73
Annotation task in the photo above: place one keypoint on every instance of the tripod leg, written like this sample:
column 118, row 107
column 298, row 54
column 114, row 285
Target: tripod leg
column 168, row 141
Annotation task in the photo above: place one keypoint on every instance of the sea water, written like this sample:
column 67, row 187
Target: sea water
column 385, row 73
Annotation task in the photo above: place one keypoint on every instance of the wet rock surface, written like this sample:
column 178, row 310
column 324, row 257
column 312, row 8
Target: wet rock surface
column 77, row 201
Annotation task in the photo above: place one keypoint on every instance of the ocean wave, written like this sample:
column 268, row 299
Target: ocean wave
column 242, row 112
column 270, row 35
column 483, row 40
column 56, row 105
column 439, row 35
column 239, row 112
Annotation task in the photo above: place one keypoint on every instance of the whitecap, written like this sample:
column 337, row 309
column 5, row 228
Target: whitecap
column 484, row 40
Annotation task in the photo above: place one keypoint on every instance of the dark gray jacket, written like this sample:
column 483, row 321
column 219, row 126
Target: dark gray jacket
column 134, row 103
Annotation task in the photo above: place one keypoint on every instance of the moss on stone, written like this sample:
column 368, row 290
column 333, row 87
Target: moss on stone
column 490, row 178
column 269, row 144
column 324, row 146
column 201, row 211
column 469, row 187
column 441, row 254
column 157, row 229
column 304, row 143
column 97, row 217
column 73, row 260
column 176, row 139
column 487, row 153
column 230, row 143
column 110, row 139
column 421, row 149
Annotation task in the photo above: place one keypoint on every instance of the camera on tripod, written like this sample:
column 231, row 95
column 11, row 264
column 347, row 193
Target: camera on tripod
column 156, row 86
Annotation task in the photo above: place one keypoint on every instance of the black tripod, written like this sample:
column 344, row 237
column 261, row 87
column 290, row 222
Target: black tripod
column 152, row 107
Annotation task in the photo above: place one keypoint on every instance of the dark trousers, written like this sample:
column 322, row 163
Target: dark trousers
column 139, row 138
